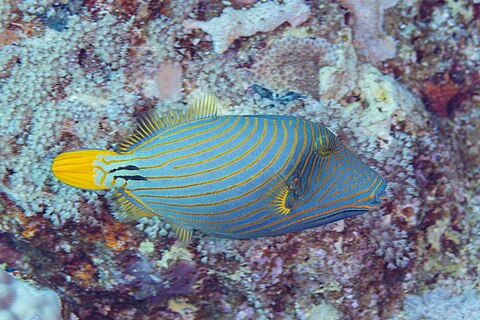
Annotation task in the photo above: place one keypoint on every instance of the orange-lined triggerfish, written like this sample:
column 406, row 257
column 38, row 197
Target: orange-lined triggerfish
column 238, row 177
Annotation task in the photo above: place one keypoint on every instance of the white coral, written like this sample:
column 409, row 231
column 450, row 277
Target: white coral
column 18, row 300
column 264, row 17
column 369, row 38
column 442, row 303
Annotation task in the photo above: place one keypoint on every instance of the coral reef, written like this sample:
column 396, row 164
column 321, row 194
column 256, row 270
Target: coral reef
column 398, row 81
column 264, row 17
column 292, row 64
column 370, row 39
column 19, row 300
column 167, row 82
column 442, row 303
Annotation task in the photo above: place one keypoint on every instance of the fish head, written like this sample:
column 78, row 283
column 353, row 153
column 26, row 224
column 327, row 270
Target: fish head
column 341, row 185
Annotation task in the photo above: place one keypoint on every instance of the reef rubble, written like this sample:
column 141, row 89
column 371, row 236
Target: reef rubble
column 403, row 92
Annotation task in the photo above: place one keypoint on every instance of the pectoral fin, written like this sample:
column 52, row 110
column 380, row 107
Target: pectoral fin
column 281, row 196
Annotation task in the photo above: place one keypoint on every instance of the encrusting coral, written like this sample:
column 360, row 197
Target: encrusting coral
column 20, row 300
column 264, row 17
column 292, row 64
column 369, row 36
column 73, row 74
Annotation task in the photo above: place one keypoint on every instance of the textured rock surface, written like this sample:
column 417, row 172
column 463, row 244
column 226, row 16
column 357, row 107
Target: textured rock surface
column 74, row 73
column 19, row 300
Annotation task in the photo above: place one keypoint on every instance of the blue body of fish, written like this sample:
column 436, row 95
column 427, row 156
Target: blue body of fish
column 237, row 177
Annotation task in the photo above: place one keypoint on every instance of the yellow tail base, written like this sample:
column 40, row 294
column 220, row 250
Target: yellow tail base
column 76, row 168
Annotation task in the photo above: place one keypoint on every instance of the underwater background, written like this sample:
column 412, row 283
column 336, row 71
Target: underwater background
column 397, row 80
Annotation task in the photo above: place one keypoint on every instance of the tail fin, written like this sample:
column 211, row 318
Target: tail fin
column 76, row 168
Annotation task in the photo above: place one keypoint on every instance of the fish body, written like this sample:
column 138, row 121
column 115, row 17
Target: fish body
column 238, row 177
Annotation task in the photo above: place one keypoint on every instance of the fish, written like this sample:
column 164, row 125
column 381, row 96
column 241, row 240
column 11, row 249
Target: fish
column 228, row 176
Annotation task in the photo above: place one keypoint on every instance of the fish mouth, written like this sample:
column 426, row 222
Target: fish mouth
column 380, row 192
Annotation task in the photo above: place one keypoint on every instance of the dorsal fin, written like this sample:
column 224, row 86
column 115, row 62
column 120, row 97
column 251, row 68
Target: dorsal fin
column 204, row 105
column 152, row 123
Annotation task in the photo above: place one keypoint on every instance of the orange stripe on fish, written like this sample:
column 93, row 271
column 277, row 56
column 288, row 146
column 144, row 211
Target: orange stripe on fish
column 236, row 177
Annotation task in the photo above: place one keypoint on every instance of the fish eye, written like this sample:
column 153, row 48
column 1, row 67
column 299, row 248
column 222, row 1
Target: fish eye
column 324, row 145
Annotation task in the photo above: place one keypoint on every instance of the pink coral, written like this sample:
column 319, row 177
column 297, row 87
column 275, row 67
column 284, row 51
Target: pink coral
column 264, row 17
column 369, row 38
column 167, row 81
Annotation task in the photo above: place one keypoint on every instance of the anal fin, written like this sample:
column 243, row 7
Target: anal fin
column 130, row 208
column 183, row 233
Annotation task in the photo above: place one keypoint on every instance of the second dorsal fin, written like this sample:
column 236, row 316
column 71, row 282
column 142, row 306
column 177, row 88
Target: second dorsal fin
column 152, row 123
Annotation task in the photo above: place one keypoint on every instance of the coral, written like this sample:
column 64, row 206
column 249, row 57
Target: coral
column 443, row 303
column 19, row 300
column 181, row 307
column 36, row 92
column 443, row 59
column 167, row 83
column 203, row 70
column 244, row 2
column 292, row 64
column 440, row 93
column 146, row 281
column 8, row 37
column 390, row 242
column 56, row 16
column 446, row 90
column 5, row 11
column 153, row 227
column 369, row 38
column 339, row 79
column 264, row 17
column 386, row 102
column 460, row 9
column 81, row 86
column 116, row 237
column 323, row 311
